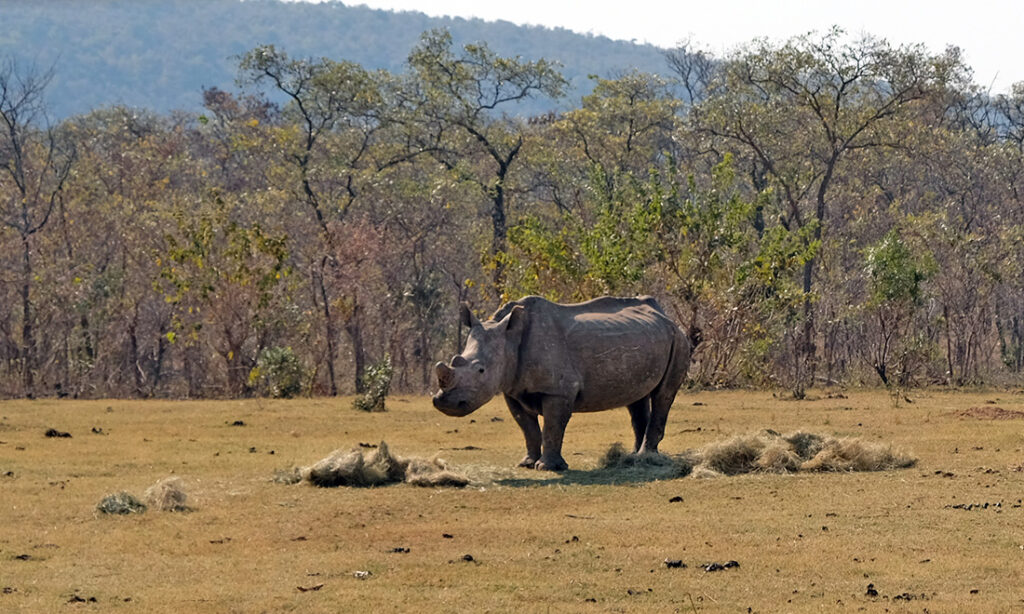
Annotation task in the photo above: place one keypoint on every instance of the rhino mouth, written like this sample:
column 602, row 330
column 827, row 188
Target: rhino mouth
column 452, row 407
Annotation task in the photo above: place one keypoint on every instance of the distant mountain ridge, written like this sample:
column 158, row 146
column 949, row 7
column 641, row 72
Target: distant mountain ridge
column 159, row 55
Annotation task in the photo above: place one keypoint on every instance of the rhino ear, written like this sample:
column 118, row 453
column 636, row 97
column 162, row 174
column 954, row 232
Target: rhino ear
column 516, row 320
column 466, row 316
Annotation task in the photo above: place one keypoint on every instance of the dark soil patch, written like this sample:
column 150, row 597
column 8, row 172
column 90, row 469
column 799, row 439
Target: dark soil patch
column 991, row 412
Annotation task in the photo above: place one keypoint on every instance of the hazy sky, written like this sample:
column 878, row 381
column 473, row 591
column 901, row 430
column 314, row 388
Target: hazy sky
column 991, row 32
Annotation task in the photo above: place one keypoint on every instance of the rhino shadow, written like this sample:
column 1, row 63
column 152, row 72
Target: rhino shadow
column 628, row 469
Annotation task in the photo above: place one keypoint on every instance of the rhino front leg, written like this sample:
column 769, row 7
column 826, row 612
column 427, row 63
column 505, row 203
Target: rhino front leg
column 527, row 421
column 556, row 411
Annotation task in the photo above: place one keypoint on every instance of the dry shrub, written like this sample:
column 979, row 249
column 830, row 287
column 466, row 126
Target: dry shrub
column 121, row 503
column 377, row 468
column 167, row 495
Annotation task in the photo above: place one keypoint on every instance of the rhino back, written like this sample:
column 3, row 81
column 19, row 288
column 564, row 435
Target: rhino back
column 607, row 352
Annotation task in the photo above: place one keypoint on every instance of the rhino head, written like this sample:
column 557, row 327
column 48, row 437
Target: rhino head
column 485, row 366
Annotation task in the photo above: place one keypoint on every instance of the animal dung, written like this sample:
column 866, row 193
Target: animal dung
column 377, row 467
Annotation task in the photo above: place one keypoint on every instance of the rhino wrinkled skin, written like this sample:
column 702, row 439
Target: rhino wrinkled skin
column 552, row 360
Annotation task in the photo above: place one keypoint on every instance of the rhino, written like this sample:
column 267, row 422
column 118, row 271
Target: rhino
column 552, row 360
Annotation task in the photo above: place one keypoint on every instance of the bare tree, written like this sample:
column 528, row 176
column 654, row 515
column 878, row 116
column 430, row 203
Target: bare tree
column 34, row 166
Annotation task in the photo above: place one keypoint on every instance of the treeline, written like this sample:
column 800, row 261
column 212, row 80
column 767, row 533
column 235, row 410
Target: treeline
column 825, row 211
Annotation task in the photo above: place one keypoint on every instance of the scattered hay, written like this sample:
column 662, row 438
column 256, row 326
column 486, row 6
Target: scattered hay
column 167, row 496
column 292, row 475
column 852, row 454
column 653, row 466
column 990, row 413
column 377, row 468
column 763, row 452
column 120, row 503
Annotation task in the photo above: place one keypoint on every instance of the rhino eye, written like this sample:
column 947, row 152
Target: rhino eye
column 481, row 369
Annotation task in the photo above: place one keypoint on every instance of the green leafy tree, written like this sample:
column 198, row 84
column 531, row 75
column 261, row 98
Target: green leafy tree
column 895, row 276
column 452, row 109
column 799, row 110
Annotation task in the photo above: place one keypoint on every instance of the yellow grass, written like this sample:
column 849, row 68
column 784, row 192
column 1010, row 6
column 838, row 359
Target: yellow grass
column 539, row 542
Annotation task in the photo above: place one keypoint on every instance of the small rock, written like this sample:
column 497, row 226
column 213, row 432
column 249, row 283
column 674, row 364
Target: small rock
column 56, row 433
column 871, row 592
column 674, row 564
column 399, row 550
column 238, row 423
column 361, row 575
column 676, row 499
column 468, row 558
column 447, row 536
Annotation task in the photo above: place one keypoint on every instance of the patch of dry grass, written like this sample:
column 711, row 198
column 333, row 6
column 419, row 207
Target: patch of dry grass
column 589, row 539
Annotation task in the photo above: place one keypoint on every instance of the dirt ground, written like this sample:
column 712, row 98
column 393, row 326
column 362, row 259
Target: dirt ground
column 946, row 535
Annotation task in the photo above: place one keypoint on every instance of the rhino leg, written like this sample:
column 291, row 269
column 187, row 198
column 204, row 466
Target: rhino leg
column 661, row 401
column 640, row 415
column 556, row 411
column 531, row 431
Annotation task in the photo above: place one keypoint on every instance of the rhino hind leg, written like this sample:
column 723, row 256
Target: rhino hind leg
column 640, row 416
column 528, row 423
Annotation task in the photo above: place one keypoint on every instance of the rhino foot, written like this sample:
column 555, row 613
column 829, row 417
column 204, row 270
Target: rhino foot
column 528, row 462
column 557, row 464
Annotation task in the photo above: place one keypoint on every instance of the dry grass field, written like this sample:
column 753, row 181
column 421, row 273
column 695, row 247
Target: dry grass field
column 515, row 540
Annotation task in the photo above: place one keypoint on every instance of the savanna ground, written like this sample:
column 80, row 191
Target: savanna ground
column 582, row 541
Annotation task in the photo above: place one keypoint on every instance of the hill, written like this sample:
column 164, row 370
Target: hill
column 159, row 55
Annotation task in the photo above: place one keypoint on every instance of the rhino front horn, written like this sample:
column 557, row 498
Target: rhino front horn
column 445, row 375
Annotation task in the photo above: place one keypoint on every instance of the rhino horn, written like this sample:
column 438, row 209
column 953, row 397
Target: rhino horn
column 445, row 376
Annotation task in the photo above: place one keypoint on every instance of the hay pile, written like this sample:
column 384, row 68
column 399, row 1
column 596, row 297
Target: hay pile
column 166, row 495
column 768, row 452
column 379, row 467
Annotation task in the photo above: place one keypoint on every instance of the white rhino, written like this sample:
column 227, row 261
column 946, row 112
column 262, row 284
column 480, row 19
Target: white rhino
column 552, row 360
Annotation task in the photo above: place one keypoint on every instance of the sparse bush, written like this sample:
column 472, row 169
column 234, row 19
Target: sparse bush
column 278, row 373
column 376, row 383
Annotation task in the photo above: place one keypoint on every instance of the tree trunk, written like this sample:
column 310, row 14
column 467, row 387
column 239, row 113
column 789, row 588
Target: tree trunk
column 321, row 288
column 27, row 332
column 355, row 332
